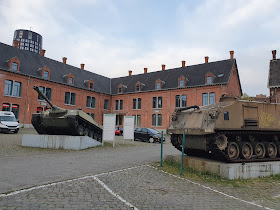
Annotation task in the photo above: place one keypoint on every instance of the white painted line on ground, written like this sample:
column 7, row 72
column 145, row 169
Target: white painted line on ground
column 114, row 194
column 76, row 179
column 229, row 196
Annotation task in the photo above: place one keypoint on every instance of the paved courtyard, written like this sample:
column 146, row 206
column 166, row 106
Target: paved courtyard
column 113, row 178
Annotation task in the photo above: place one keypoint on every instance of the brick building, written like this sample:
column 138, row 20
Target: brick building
column 150, row 97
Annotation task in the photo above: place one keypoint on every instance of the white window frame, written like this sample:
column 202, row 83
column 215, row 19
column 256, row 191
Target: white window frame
column 181, row 101
column 157, row 120
column 208, row 98
column 157, row 101
column 137, row 104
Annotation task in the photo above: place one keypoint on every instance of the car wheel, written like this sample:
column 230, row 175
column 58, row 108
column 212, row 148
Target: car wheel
column 151, row 140
column 16, row 131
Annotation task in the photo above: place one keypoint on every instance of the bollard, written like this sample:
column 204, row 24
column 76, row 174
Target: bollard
column 183, row 147
column 161, row 149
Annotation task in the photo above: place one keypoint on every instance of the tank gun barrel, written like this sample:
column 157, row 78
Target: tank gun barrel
column 44, row 96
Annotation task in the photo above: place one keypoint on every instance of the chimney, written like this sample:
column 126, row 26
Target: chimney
column 82, row 66
column 163, row 67
column 145, row 70
column 43, row 53
column 16, row 43
column 231, row 54
column 206, row 59
column 183, row 63
column 64, row 59
column 273, row 54
column 129, row 72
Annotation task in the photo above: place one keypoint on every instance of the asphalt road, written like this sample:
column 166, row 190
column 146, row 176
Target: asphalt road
column 31, row 168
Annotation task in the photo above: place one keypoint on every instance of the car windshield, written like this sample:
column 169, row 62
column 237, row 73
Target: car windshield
column 8, row 118
column 153, row 131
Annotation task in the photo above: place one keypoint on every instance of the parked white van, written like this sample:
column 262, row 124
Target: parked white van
column 8, row 122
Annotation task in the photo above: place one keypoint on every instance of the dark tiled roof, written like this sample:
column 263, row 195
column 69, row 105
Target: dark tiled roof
column 274, row 73
column 195, row 76
column 30, row 63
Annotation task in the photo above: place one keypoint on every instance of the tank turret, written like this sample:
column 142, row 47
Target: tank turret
column 54, row 109
column 60, row 121
column 232, row 130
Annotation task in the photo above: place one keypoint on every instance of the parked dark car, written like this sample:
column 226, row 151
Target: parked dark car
column 147, row 134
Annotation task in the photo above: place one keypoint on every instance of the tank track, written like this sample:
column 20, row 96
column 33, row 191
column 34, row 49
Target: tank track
column 36, row 122
column 75, row 121
column 220, row 155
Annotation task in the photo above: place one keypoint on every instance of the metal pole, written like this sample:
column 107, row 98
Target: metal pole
column 161, row 149
column 182, row 160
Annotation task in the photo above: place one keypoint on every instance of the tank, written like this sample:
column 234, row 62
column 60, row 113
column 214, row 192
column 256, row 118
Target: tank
column 231, row 130
column 59, row 121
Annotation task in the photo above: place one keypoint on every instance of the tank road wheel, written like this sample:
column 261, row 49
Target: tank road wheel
column 81, row 130
column 246, row 150
column 259, row 149
column 232, row 150
column 271, row 149
column 86, row 132
column 175, row 141
column 221, row 142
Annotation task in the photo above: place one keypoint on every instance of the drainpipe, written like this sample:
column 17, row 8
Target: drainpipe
column 26, row 101
column 275, row 92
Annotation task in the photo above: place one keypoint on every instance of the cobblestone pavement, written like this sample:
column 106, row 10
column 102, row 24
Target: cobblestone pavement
column 142, row 187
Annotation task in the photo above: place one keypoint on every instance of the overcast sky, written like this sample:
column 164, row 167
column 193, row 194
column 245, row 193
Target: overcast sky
column 113, row 37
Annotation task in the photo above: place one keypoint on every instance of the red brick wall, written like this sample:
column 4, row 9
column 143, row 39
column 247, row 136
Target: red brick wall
column 233, row 88
column 194, row 97
column 274, row 95
column 28, row 102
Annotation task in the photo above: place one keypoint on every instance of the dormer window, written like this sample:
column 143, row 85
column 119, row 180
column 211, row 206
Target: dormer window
column 70, row 79
column 121, row 88
column 158, row 84
column 209, row 78
column 46, row 74
column 14, row 66
column 89, row 84
column 181, row 81
column 137, row 89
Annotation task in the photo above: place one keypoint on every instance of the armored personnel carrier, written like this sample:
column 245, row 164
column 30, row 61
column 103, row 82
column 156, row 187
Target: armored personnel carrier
column 59, row 121
column 232, row 130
